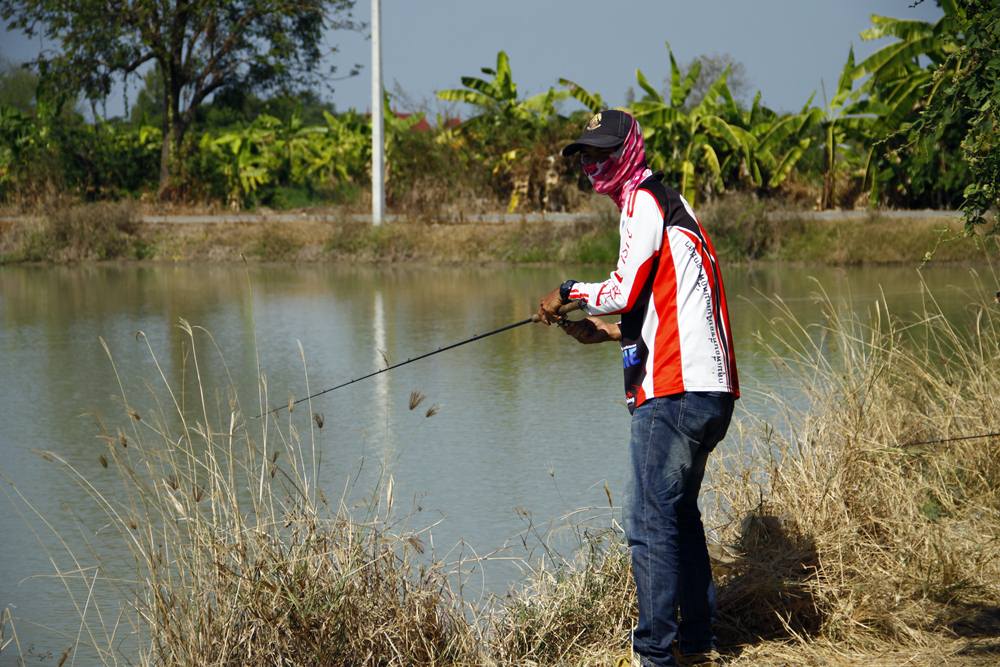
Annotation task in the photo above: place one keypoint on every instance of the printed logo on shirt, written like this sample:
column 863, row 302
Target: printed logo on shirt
column 630, row 356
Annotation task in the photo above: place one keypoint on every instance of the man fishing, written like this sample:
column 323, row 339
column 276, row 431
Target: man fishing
column 680, row 383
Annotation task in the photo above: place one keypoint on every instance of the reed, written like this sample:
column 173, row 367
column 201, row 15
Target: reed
column 835, row 540
column 844, row 529
column 241, row 560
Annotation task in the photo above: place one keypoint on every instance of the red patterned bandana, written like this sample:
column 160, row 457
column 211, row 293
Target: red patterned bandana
column 623, row 171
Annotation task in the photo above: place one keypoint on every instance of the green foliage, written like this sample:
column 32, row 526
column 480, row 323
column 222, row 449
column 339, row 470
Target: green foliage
column 507, row 128
column 17, row 86
column 49, row 153
column 912, row 125
column 248, row 164
column 845, row 121
column 593, row 101
column 898, row 79
column 966, row 88
column 498, row 102
column 714, row 144
column 197, row 49
column 930, row 171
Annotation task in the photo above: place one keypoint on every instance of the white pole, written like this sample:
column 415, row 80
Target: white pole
column 378, row 142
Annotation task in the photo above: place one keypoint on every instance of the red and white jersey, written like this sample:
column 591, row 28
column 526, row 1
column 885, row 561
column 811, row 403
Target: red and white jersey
column 668, row 289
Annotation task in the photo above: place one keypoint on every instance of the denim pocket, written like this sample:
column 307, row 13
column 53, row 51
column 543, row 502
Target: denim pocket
column 704, row 417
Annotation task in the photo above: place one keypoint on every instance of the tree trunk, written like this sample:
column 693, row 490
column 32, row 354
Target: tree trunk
column 174, row 126
column 829, row 179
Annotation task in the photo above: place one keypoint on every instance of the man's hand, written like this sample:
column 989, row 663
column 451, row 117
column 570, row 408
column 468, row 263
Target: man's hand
column 548, row 308
column 592, row 330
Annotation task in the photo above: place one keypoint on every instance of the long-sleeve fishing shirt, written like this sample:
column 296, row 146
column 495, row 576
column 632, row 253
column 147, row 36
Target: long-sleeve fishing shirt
column 668, row 289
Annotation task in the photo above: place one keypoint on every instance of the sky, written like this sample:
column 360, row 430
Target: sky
column 788, row 47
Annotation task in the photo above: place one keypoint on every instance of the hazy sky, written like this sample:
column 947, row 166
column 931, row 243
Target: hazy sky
column 786, row 46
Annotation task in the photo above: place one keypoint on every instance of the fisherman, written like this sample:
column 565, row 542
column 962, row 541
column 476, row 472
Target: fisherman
column 680, row 383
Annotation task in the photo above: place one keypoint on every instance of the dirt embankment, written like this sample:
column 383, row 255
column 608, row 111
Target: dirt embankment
column 742, row 230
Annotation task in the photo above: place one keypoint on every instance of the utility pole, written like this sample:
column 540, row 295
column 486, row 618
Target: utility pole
column 378, row 141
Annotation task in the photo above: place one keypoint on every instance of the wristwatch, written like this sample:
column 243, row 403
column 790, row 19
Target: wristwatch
column 565, row 289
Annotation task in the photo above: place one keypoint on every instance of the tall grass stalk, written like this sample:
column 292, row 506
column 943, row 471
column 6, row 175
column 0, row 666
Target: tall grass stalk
column 240, row 558
column 834, row 539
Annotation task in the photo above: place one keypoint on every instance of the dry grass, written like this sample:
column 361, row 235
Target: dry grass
column 241, row 560
column 836, row 541
column 76, row 232
column 871, row 539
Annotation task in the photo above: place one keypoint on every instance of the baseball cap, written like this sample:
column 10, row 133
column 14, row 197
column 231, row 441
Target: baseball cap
column 607, row 129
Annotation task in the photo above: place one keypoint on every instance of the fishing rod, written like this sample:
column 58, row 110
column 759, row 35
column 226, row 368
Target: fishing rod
column 563, row 310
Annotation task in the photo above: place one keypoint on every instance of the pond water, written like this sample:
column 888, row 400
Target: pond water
column 529, row 427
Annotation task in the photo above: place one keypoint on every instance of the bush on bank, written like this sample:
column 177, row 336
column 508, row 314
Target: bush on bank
column 101, row 231
column 742, row 228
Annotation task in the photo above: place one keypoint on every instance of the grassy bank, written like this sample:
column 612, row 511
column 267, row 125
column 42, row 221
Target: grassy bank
column 742, row 228
column 836, row 540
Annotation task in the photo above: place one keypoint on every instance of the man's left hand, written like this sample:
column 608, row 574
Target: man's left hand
column 591, row 330
column 548, row 308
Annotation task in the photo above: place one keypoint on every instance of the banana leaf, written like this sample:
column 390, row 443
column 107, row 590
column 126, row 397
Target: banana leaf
column 593, row 101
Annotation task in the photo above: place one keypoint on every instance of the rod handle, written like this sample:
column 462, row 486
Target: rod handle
column 564, row 309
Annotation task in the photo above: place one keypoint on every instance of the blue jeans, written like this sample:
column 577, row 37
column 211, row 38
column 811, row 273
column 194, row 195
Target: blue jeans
column 671, row 440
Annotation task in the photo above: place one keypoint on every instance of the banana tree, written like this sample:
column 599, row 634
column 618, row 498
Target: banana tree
column 497, row 99
column 18, row 136
column 338, row 150
column 846, row 116
column 904, row 76
column 780, row 141
column 593, row 101
column 898, row 78
column 689, row 144
column 506, row 126
column 248, row 160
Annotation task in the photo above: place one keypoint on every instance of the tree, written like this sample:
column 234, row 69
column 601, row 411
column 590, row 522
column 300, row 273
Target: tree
column 498, row 100
column 198, row 48
column 507, row 128
column 710, row 67
column 968, row 82
column 17, row 86
column 845, row 117
column 686, row 142
column 898, row 78
column 931, row 170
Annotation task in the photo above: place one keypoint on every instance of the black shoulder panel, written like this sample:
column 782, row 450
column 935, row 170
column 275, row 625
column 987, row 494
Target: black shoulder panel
column 674, row 211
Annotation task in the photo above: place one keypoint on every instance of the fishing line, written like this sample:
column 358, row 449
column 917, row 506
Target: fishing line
column 944, row 440
column 563, row 310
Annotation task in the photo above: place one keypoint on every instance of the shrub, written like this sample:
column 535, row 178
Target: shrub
column 78, row 232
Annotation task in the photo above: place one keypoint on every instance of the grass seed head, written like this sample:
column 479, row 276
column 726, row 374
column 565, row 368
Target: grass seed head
column 416, row 398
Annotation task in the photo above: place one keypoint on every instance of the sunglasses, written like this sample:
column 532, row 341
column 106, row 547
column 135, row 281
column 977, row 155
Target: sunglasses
column 592, row 154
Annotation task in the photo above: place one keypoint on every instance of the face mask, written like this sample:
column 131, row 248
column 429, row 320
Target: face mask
column 622, row 170
column 593, row 170
column 596, row 170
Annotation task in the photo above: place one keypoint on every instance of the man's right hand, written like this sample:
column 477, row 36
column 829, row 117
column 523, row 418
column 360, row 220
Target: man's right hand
column 592, row 330
column 548, row 308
